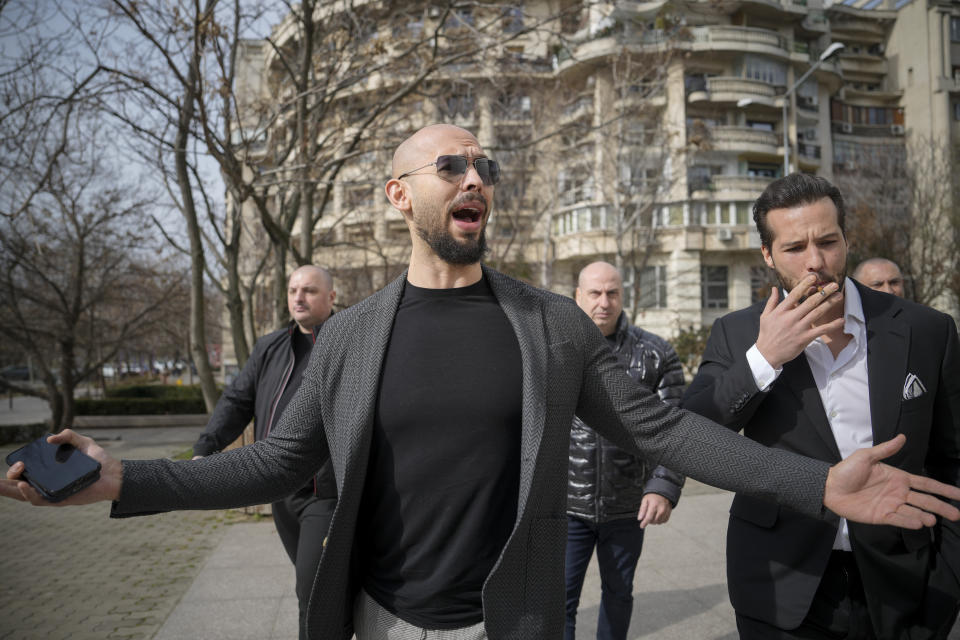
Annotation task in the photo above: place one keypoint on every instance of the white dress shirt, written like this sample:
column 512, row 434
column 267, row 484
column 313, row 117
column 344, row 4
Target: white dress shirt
column 841, row 381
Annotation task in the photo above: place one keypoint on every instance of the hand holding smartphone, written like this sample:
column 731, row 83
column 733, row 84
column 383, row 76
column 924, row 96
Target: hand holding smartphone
column 56, row 471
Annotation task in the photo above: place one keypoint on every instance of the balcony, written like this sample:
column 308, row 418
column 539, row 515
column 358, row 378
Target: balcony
column 868, row 130
column 808, row 154
column 744, row 139
column 732, row 89
column 946, row 83
column 871, row 92
column 863, row 63
column 730, row 38
column 815, row 22
column 582, row 107
column 741, row 184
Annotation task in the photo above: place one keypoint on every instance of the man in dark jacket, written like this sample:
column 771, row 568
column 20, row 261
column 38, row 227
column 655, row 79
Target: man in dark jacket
column 612, row 494
column 260, row 392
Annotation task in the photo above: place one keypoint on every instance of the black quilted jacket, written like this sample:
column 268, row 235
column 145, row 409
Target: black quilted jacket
column 604, row 481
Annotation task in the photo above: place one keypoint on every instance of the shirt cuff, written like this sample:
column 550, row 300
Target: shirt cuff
column 763, row 373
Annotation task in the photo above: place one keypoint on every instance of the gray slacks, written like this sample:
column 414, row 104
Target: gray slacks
column 373, row 622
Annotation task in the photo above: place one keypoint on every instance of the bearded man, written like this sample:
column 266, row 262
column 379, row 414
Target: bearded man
column 832, row 367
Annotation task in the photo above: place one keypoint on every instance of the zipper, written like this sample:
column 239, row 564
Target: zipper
column 283, row 385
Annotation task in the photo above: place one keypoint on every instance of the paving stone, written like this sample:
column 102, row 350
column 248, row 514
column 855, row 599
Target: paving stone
column 76, row 573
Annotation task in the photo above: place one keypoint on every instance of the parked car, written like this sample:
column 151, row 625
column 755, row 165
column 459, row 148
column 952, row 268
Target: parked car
column 15, row 372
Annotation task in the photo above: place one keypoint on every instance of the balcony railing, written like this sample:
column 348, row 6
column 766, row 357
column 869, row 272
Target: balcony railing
column 584, row 103
column 731, row 89
column 741, row 183
column 739, row 36
column 867, row 130
column 738, row 137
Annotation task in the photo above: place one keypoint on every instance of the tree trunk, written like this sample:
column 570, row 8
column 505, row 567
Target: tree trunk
column 56, row 405
column 198, row 334
column 235, row 309
column 67, row 385
column 279, row 286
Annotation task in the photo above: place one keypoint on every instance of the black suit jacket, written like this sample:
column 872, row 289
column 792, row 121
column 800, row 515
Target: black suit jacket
column 775, row 556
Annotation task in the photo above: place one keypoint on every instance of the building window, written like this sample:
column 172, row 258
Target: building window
column 713, row 287
column 765, row 70
column 513, row 106
column 574, row 187
column 763, row 170
column 956, row 111
column 512, row 19
column 653, row 288
column 955, row 29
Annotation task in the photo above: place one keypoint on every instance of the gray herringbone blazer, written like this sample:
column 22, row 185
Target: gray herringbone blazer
column 567, row 369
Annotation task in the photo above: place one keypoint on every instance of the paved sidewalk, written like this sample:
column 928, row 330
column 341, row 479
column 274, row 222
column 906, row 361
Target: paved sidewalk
column 244, row 591
column 75, row 573
column 23, row 410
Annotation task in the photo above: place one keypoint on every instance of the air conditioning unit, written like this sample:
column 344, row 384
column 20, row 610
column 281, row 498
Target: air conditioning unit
column 725, row 235
column 896, row 129
column 846, row 127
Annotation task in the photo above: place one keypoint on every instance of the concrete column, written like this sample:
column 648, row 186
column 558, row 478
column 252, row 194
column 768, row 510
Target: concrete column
column 683, row 287
column 486, row 134
column 674, row 122
column 604, row 153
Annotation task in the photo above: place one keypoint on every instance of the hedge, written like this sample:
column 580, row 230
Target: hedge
column 156, row 391
column 144, row 399
column 138, row 406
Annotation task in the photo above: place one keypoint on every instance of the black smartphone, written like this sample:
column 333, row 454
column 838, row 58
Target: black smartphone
column 56, row 471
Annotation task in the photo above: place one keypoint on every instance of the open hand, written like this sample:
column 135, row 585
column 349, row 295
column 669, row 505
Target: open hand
column 787, row 328
column 107, row 487
column 654, row 509
column 863, row 489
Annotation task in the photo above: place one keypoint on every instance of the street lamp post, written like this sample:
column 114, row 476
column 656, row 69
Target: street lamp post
column 830, row 51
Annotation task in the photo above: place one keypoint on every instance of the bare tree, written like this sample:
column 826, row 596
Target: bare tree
column 77, row 277
column 903, row 205
column 43, row 87
column 336, row 111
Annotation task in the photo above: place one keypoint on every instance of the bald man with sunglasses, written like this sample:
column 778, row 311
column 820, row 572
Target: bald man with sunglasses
column 444, row 402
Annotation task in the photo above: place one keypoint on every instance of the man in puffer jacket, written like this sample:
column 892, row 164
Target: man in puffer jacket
column 611, row 494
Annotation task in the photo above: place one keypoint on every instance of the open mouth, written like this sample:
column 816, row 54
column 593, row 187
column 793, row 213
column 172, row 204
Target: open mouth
column 468, row 213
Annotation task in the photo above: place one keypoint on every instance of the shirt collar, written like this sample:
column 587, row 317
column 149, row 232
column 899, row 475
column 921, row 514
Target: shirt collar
column 852, row 304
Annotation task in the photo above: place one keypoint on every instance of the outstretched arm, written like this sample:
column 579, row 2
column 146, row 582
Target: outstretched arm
column 863, row 489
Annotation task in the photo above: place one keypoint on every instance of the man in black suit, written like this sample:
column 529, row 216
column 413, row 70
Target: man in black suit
column 832, row 367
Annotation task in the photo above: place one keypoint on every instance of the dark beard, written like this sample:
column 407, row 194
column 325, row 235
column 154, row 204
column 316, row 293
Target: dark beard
column 449, row 250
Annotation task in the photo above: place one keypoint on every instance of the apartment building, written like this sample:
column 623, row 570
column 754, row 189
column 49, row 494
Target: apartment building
column 641, row 133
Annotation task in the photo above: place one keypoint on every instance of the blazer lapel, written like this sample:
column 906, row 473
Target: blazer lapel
column 799, row 379
column 369, row 348
column 525, row 314
column 888, row 345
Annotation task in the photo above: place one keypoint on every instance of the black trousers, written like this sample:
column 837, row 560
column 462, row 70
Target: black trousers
column 839, row 609
column 302, row 523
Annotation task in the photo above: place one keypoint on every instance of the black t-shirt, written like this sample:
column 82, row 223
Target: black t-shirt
column 440, row 498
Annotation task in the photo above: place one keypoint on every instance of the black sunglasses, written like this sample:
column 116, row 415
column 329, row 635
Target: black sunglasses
column 452, row 168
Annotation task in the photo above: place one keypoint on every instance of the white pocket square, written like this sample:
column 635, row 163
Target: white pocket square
column 912, row 387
